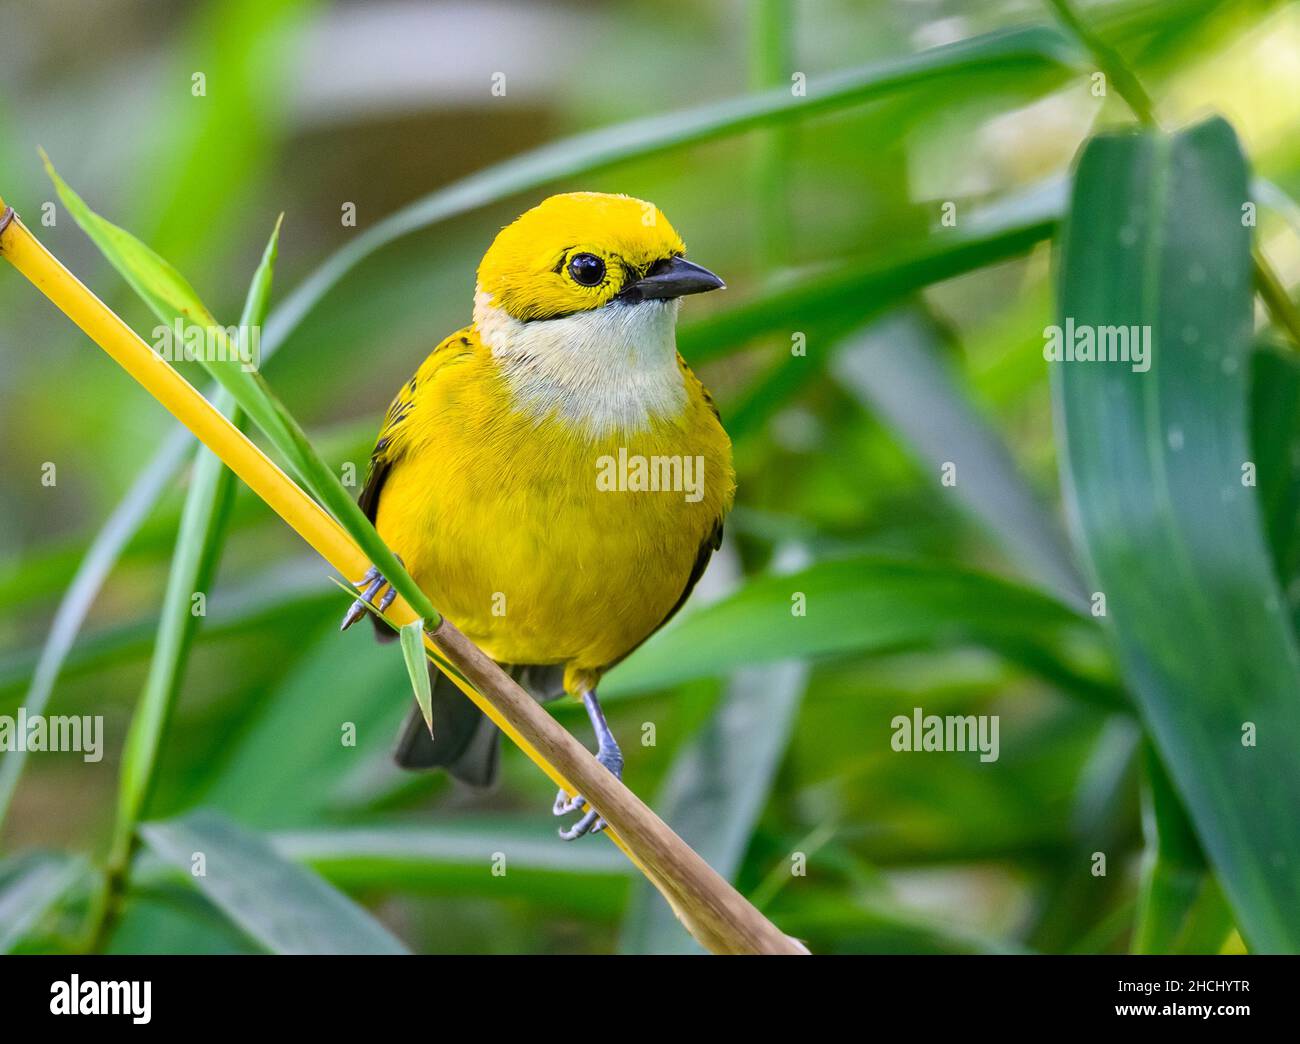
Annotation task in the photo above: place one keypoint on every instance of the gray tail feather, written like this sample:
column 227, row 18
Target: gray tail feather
column 465, row 742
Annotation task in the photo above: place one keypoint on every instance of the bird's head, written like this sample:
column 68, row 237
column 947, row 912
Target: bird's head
column 577, row 300
column 583, row 251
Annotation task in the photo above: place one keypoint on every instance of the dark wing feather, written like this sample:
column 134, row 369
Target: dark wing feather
column 375, row 479
column 384, row 453
column 702, row 556
column 387, row 452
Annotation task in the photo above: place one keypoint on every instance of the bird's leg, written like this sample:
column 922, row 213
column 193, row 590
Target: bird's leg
column 608, row 754
column 373, row 582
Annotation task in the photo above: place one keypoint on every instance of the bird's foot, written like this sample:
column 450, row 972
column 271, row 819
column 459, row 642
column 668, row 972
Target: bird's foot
column 590, row 823
column 372, row 583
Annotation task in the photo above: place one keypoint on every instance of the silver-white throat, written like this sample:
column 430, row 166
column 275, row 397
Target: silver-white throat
column 610, row 370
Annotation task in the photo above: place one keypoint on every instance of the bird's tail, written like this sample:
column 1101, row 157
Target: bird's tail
column 464, row 741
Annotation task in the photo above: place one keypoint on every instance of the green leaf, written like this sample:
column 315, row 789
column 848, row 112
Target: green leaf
column 156, row 282
column 446, row 856
column 1275, row 442
column 897, row 368
column 101, row 556
column 455, row 856
column 384, row 853
column 284, row 907
column 1208, row 924
column 194, row 564
column 166, row 292
column 170, row 297
column 30, row 885
column 869, row 605
column 250, row 49
column 771, row 52
column 171, row 918
column 287, row 766
column 1173, row 870
column 849, row 294
column 879, row 926
column 417, row 666
column 1152, row 463
column 1029, row 49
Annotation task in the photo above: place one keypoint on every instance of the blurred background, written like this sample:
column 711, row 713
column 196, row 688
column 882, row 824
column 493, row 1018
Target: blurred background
column 922, row 334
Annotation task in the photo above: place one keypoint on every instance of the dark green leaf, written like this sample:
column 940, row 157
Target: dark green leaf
column 29, row 885
column 1275, row 442
column 1173, row 871
column 867, row 605
column 194, row 563
column 1153, row 464
column 340, row 703
column 284, row 907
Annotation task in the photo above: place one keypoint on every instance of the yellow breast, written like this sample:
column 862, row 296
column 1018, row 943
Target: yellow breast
column 546, row 532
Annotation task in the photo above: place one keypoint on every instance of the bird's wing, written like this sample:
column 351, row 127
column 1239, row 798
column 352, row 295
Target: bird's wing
column 714, row 540
column 710, row 543
column 394, row 437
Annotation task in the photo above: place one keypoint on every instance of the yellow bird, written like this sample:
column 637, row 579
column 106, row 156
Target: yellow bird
column 554, row 476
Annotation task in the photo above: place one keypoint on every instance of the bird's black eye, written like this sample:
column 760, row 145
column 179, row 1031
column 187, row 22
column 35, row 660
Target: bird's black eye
column 587, row 269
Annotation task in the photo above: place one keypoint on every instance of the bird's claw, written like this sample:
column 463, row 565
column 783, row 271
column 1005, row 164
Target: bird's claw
column 565, row 804
column 373, row 582
column 590, row 823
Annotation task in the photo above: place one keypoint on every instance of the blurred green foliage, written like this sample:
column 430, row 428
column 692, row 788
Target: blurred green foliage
column 919, row 336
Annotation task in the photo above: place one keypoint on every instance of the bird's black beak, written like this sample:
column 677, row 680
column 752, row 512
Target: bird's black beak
column 672, row 277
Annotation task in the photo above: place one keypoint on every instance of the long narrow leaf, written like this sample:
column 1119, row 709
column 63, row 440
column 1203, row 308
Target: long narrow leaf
column 284, row 907
column 1032, row 48
column 863, row 605
column 29, row 885
column 897, row 369
column 100, row 558
column 171, row 297
column 851, row 293
column 1156, row 467
column 1173, row 872
column 194, row 563
column 486, row 856
column 417, row 667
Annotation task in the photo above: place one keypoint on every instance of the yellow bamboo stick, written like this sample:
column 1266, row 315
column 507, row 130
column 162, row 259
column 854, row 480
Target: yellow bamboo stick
column 714, row 912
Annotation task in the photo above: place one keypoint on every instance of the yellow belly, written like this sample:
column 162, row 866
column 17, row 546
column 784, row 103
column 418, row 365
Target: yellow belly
column 510, row 525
